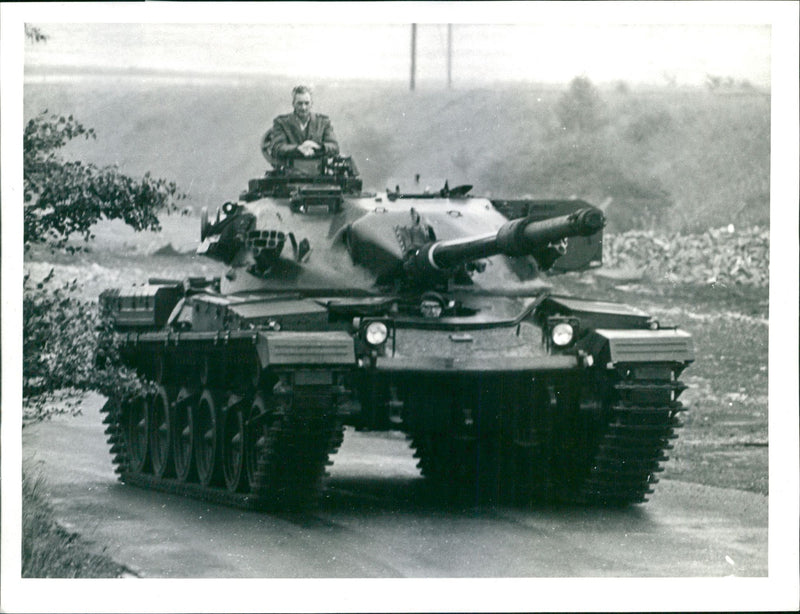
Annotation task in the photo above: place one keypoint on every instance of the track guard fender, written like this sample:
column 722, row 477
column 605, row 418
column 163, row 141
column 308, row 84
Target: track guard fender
column 610, row 347
column 305, row 349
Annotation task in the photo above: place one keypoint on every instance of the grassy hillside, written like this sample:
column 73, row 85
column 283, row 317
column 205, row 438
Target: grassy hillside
column 685, row 160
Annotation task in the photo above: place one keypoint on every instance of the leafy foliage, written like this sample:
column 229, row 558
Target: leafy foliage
column 65, row 197
column 57, row 338
column 68, row 349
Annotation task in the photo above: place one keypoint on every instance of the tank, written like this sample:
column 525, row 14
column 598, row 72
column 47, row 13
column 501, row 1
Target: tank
column 427, row 312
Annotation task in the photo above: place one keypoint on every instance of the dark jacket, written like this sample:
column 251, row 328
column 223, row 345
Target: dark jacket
column 281, row 141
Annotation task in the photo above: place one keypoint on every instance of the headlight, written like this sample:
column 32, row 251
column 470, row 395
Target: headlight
column 376, row 333
column 562, row 334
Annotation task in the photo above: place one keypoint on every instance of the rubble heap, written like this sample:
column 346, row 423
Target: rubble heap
column 722, row 255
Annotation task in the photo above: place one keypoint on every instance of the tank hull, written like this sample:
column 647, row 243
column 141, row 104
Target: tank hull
column 250, row 417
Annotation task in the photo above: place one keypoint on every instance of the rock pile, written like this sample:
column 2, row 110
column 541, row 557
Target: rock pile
column 722, row 255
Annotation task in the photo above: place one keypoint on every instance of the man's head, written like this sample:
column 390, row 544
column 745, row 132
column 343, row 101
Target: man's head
column 301, row 102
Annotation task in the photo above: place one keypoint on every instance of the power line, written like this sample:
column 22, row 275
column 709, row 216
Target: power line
column 449, row 55
column 413, row 54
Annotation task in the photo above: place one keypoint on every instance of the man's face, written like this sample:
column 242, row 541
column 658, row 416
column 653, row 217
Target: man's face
column 302, row 106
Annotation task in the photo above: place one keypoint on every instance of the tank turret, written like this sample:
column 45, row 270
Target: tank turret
column 405, row 241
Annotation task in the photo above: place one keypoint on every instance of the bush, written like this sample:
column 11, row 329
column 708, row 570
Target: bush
column 68, row 348
column 580, row 109
column 57, row 344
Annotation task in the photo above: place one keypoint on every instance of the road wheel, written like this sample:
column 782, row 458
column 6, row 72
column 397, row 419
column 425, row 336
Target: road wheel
column 233, row 446
column 183, row 441
column 136, row 431
column 160, row 433
column 206, row 434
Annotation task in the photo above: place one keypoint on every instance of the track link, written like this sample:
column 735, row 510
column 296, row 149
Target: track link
column 642, row 422
column 293, row 453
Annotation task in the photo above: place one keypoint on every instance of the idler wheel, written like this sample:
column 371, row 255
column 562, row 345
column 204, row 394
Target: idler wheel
column 160, row 433
column 233, row 446
column 206, row 435
column 183, row 440
column 137, row 416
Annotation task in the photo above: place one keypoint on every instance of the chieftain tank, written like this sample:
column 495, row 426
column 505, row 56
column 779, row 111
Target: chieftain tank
column 428, row 312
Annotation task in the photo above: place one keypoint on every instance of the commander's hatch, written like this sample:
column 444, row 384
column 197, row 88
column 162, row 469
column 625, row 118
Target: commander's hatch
column 336, row 172
column 581, row 252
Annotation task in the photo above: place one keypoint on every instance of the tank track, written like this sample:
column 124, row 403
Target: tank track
column 464, row 468
column 643, row 420
column 292, row 454
column 608, row 455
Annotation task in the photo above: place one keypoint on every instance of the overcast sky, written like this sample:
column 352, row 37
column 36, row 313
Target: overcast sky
column 482, row 52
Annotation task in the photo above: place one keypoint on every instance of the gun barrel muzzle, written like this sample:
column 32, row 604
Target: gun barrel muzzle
column 526, row 235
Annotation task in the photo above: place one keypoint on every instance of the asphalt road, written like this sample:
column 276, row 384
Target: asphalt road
column 379, row 520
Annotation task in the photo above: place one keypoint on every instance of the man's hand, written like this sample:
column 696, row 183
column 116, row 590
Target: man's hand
column 308, row 148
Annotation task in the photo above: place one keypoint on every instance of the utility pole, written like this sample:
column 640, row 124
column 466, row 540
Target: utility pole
column 449, row 56
column 413, row 54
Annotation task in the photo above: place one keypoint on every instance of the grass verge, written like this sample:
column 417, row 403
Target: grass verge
column 49, row 550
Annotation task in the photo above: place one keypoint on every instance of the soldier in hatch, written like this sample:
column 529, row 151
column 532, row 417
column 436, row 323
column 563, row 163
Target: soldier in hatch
column 300, row 134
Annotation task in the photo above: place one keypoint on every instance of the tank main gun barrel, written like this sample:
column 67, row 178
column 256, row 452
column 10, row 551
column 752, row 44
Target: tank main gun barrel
column 522, row 237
